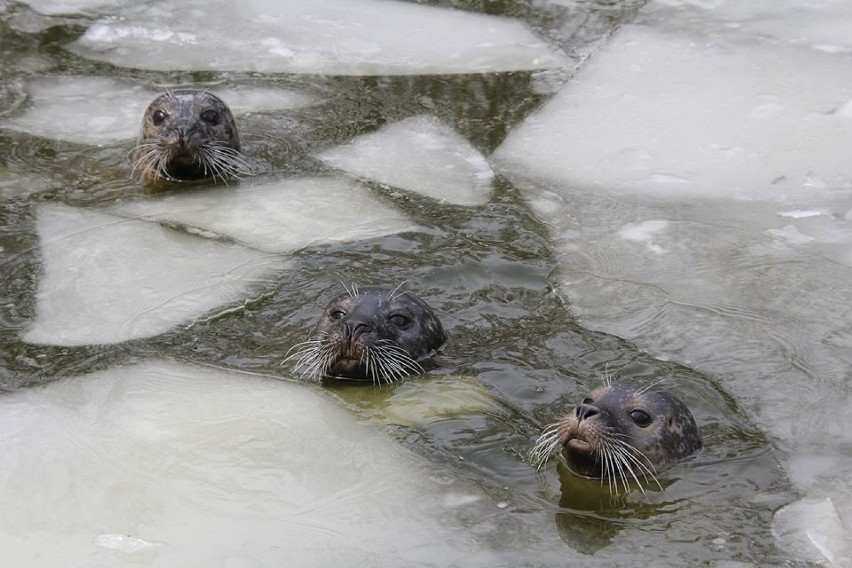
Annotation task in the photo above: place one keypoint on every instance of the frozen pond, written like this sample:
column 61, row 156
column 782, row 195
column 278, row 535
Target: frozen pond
column 653, row 191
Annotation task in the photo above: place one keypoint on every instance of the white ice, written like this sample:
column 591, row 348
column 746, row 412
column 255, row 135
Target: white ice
column 166, row 464
column 69, row 7
column 96, row 110
column 696, row 180
column 340, row 37
column 107, row 279
column 419, row 154
column 660, row 113
column 811, row 529
column 277, row 216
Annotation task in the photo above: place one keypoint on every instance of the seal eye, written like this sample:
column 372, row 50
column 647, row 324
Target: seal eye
column 399, row 320
column 641, row 418
column 210, row 117
column 337, row 314
column 158, row 117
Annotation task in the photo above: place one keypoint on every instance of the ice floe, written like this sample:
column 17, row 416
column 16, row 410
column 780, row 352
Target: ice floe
column 277, row 216
column 419, row 154
column 166, row 464
column 694, row 177
column 99, row 110
column 342, row 37
column 107, row 279
column 663, row 114
column 811, row 529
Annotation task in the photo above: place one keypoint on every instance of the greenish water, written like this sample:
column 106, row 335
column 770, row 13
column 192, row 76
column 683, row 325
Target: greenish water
column 486, row 269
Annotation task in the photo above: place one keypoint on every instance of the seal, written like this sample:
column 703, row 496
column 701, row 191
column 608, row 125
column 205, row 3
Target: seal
column 188, row 134
column 619, row 432
column 374, row 334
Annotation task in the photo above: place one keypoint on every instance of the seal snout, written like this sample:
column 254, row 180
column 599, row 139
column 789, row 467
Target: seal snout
column 353, row 329
column 586, row 411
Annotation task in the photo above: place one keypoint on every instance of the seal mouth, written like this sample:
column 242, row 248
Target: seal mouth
column 582, row 459
column 577, row 445
column 347, row 367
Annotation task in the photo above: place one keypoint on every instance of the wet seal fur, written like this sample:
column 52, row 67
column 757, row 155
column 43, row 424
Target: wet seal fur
column 187, row 135
column 622, row 431
column 372, row 334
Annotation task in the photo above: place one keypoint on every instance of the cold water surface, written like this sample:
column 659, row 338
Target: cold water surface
column 383, row 161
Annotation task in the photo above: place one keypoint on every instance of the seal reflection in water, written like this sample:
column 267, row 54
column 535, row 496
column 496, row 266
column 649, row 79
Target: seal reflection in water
column 374, row 334
column 620, row 432
column 188, row 134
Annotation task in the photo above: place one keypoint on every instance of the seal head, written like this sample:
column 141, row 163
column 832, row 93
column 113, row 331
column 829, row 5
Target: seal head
column 622, row 431
column 188, row 134
column 372, row 333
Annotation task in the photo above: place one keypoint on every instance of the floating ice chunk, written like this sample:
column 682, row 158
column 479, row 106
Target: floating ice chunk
column 108, row 279
column 198, row 465
column 243, row 100
column 802, row 214
column 812, row 530
column 791, row 234
column 54, row 8
column 96, row 110
column 650, row 102
column 419, row 154
column 279, row 216
column 343, row 37
column 825, row 25
column 645, row 232
column 124, row 543
column 88, row 110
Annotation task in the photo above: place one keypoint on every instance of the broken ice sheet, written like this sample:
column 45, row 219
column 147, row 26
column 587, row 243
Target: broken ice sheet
column 99, row 110
column 278, row 216
column 738, row 119
column 107, row 279
column 419, row 154
column 189, row 465
column 338, row 37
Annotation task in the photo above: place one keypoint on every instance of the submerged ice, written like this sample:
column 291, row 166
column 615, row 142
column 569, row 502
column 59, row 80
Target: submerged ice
column 165, row 464
column 419, row 154
column 341, row 37
column 107, row 279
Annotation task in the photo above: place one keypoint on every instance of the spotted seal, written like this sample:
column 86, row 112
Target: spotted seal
column 188, row 134
column 622, row 431
column 374, row 334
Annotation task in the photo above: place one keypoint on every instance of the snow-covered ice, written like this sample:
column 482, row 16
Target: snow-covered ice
column 419, row 154
column 107, row 279
column 277, row 216
column 340, row 37
column 167, row 464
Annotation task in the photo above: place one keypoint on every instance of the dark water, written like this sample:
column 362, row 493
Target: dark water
column 487, row 270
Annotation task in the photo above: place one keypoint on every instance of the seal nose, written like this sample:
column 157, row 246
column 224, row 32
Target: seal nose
column 354, row 328
column 585, row 411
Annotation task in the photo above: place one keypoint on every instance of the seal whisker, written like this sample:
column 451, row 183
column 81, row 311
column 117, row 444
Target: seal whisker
column 648, row 388
column 632, row 454
column 393, row 293
column 373, row 334
column 165, row 150
column 547, row 443
column 626, row 433
column 618, row 454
